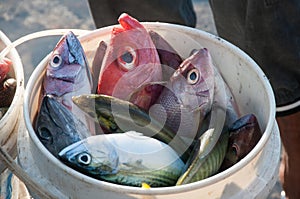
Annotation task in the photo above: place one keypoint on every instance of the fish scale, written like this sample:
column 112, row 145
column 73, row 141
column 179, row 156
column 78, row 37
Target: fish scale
column 202, row 168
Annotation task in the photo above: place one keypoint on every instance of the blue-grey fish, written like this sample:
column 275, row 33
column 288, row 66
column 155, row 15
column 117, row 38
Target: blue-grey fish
column 57, row 127
column 128, row 159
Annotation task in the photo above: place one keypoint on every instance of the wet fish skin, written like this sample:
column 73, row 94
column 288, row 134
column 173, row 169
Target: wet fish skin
column 245, row 133
column 204, row 167
column 67, row 72
column 169, row 57
column 118, row 116
column 188, row 95
column 128, row 159
column 130, row 62
column 57, row 127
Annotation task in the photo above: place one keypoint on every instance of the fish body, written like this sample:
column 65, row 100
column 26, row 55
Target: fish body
column 188, row 95
column 128, row 159
column 203, row 167
column 131, row 61
column 57, row 127
column 118, row 116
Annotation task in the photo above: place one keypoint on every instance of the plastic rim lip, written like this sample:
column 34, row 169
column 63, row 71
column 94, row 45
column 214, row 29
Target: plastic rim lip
column 164, row 190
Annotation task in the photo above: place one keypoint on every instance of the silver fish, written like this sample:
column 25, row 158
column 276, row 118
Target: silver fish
column 68, row 74
column 128, row 159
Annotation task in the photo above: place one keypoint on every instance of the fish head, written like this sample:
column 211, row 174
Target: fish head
column 193, row 82
column 93, row 156
column 67, row 70
column 5, row 65
column 56, row 126
column 244, row 135
column 131, row 60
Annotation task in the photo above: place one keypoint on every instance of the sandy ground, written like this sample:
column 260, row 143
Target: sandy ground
column 19, row 18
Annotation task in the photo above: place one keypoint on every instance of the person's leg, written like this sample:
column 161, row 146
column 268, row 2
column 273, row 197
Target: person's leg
column 106, row 12
column 269, row 31
column 290, row 136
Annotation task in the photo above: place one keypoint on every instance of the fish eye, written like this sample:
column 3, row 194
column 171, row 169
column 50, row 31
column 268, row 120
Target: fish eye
column 193, row 76
column 56, row 61
column 45, row 134
column 235, row 149
column 84, row 158
column 127, row 59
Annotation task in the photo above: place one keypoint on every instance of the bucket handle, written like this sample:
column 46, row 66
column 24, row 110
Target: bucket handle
column 18, row 171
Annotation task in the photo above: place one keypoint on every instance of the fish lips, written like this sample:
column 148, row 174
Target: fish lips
column 64, row 80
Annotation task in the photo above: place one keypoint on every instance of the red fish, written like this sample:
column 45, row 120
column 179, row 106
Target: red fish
column 130, row 62
column 5, row 65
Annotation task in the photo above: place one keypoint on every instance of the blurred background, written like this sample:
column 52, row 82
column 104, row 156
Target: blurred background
column 19, row 18
column 22, row 17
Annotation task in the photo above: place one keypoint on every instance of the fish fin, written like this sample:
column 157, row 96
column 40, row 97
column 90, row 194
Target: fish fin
column 128, row 22
column 97, row 63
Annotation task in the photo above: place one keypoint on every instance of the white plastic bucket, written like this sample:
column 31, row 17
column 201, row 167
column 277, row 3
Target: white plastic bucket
column 251, row 177
column 9, row 123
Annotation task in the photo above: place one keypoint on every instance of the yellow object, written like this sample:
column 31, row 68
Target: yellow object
column 145, row 186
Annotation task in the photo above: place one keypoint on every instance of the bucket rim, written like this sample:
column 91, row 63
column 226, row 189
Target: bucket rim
column 161, row 190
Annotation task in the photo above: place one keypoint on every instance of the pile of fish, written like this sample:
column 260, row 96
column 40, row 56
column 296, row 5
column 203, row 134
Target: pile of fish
column 7, row 86
column 141, row 113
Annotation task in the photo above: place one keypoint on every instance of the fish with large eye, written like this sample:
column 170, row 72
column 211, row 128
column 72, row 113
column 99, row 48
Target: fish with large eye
column 188, row 95
column 128, row 158
column 131, row 61
column 68, row 74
